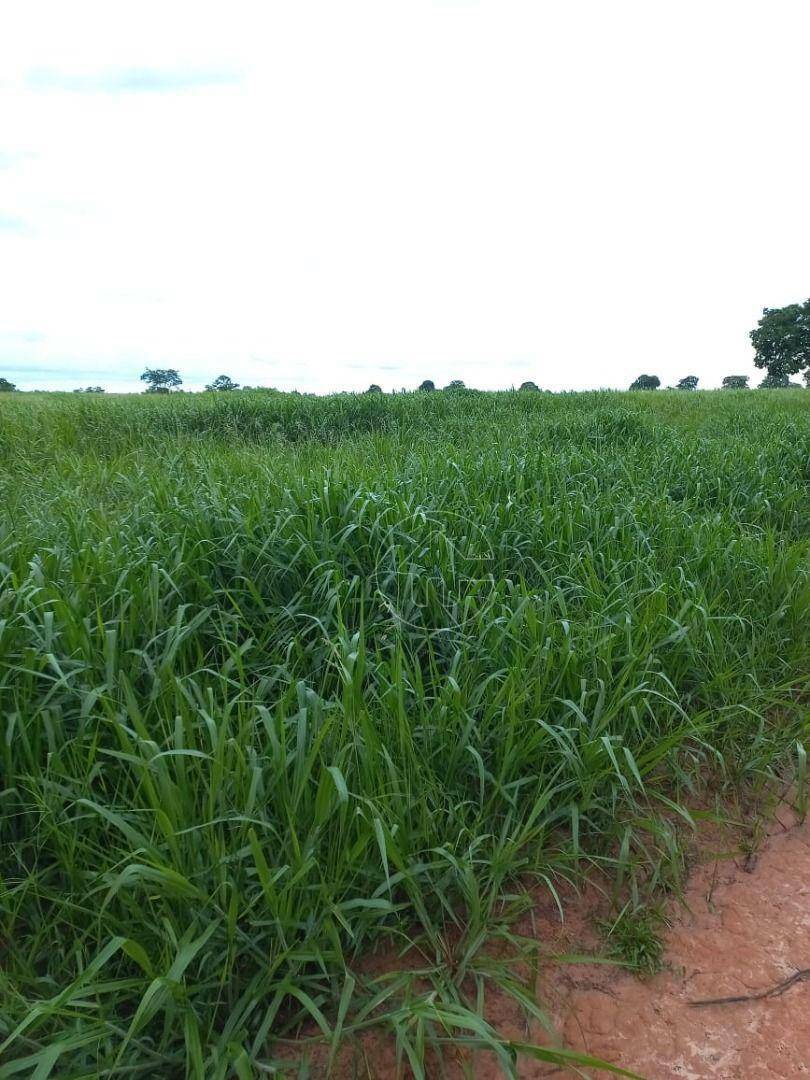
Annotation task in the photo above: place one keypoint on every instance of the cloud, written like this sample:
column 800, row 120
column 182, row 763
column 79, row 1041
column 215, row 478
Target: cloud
column 8, row 158
column 73, row 372
column 27, row 336
column 135, row 80
column 12, row 223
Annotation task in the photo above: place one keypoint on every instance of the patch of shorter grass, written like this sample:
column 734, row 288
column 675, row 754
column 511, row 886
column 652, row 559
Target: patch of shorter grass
column 634, row 938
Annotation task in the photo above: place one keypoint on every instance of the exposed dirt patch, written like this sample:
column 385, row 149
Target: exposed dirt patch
column 746, row 928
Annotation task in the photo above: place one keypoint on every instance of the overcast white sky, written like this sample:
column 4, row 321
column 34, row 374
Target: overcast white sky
column 321, row 195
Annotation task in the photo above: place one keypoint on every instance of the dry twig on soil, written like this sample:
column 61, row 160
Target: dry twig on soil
column 774, row 991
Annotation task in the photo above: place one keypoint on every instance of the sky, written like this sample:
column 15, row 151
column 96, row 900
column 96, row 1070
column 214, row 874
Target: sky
column 318, row 196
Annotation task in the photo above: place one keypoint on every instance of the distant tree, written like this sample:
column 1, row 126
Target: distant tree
column 806, row 378
column 689, row 382
column 456, row 384
column 428, row 384
column 6, row 387
column 775, row 382
column 646, row 382
column 782, row 340
column 89, row 390
column 160, row 380
column 223, row 382
column 374, row 389
column 529, row 385
column 736, row 382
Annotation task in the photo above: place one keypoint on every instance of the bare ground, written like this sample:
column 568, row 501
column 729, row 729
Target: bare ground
column 744, row 928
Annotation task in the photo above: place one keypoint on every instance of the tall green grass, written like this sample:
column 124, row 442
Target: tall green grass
column 286, row 679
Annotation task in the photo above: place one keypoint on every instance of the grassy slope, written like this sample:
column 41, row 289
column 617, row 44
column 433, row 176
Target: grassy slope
column 280, row 676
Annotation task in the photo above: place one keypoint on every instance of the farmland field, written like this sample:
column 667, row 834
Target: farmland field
column 285, row 679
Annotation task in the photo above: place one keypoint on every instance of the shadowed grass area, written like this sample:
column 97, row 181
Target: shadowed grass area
column 285, row 678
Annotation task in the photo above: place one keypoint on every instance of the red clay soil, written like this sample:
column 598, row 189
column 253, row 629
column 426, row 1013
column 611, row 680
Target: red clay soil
column 746, row 928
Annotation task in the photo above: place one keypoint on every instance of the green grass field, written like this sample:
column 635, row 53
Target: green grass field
column 284, row 680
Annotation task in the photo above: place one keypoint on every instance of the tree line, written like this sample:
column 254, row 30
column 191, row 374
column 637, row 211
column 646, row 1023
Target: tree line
column 730, row 382
column 781, row 341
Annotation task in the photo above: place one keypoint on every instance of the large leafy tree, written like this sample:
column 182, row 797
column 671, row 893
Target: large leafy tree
column 223, row 382
column 736, row 382
column 645, row 382
column 427, row 385
column 782, row 339
column 775, row 382
column 6, row 386
column 160, row 380
column 688, row 382
column 456, row 384
column 529, row 385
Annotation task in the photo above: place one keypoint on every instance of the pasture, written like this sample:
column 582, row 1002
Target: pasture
column 288, row 680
